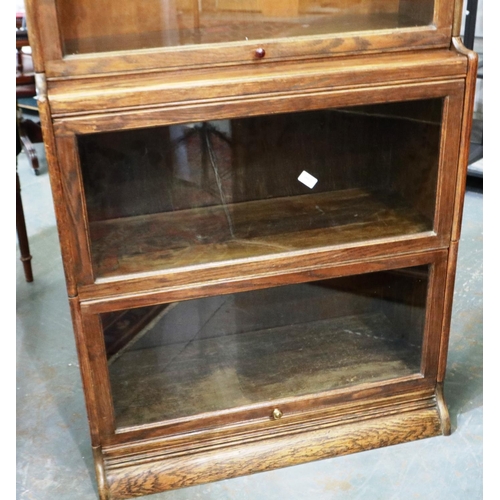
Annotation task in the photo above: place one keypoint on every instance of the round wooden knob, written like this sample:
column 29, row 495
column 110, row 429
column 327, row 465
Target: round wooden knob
column 260, row 53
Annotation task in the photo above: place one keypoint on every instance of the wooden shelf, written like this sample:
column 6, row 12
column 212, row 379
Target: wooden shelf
column 250, row 229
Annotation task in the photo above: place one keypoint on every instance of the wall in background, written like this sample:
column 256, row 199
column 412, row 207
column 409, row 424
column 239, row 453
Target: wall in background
column 478, row 47
column 479, row 20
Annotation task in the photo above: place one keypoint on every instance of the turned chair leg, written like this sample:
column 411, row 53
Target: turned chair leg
column 30, row 150
column 22, row 235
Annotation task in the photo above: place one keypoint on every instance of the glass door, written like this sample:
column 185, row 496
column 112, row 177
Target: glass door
column 96, row 26
column 253, row 349
column 105, row 36
column 223, row 191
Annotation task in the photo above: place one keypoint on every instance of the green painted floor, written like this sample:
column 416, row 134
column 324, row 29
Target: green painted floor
column 54, row 460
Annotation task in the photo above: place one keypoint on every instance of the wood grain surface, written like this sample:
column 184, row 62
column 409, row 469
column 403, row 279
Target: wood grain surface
column 198, row 236
column 87, row 95
column 133, row 476
column 123, row 47
column 363, row 374
column 209, row 374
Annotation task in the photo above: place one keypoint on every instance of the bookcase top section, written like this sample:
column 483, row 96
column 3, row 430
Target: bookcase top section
column 93, row 37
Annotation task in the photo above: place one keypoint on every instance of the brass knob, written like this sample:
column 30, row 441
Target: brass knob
column 260, row 53
column 277, row 414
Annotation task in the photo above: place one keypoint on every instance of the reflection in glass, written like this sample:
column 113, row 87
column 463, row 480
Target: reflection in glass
column 221, row 352
column 106, row 25
column 175, row 196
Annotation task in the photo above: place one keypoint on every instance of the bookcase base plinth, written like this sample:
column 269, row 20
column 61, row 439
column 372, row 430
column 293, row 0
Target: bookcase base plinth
column 164, row 467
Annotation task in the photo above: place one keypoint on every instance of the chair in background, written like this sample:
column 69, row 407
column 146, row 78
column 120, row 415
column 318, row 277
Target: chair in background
column 29, row 128
column 22, row 234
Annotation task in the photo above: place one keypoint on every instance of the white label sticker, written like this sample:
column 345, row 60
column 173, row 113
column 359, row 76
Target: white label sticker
column 307, row 179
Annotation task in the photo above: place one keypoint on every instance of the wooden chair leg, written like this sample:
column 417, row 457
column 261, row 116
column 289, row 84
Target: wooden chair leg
column 30, row 150
column 22, row 235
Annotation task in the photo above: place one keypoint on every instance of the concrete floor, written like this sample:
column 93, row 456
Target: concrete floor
column 54, row 460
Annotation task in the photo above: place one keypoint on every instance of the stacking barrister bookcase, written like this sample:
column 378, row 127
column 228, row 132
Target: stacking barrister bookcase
column 259, row 206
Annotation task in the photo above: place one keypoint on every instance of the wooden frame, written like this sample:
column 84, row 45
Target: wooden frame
column 153, row 457
column 57, row 65
column 93, row 340
column 91, row 286
column 128, row 90
column 163, row 456
column 200, row 86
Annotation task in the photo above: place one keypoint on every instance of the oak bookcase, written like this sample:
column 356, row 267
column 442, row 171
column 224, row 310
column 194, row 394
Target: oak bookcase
column 259, row 207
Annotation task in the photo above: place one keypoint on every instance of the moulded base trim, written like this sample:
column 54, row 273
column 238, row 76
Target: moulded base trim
column 158, row 470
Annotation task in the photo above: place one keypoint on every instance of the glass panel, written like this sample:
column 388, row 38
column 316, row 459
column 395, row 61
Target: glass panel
column 176, row 196
column 105, row 25
column 221, row 352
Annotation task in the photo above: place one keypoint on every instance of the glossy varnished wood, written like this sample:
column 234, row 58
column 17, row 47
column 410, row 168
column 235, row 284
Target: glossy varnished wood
column 260, row 424
column 68, row 178
column 171, row 287
column 434, row 318
column 449, row 288
column 434, row 35
column 466, row 130
column 199, row 85
column 86, row 371
column 349, row 217
column 451, row 91
column 254, row 105
column 319, row 47
column 47, row 41
column 355, row 429
column 294, row 404
column 463, row 150
column 93, row 26
column 457, row 18
column 67, row 244
column 22, row 234
column 123, row 90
